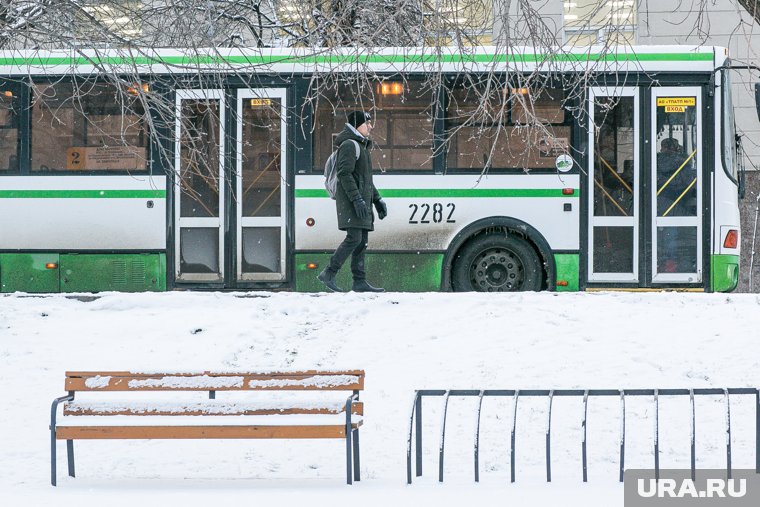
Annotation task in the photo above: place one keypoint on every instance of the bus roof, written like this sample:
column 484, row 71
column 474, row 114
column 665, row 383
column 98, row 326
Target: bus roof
column 383, row 60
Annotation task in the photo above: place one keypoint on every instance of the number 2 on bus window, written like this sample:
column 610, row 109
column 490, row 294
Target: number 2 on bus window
column 432, row 214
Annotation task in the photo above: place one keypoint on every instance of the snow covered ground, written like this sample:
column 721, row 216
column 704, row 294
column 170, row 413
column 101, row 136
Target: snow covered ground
column 404, row 342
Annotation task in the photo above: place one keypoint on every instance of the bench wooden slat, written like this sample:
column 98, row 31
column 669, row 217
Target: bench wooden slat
column 212, row 373
column 357, row 408
column 320, row 381
column 199, row 432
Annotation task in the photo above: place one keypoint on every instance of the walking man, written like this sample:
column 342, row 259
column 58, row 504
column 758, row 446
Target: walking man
column 354, row 195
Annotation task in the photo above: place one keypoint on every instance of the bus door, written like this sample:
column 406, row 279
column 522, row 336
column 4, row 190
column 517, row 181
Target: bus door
column 230, row 222
column 676, row 192
column 645, row 219
column 614, row 185
column 199, row 186
column 260, row 204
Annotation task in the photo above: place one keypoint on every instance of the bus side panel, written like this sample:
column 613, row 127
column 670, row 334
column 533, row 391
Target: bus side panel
column 83, row 213
column 568, row 272
column 401, row 272
column 427, row 216
column 29, row 272
column 724, row 262
column 426, row 212
column 82, row 233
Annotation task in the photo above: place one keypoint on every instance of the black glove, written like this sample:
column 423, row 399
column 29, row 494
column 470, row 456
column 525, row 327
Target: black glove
column 361, row 208
column 382, row 209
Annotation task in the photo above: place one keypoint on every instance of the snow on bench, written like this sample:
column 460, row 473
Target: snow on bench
column 209, row 407
column 205, row 381
column 280, row 415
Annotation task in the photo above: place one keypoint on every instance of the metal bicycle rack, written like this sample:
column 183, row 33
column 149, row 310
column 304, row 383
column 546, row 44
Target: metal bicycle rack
column 415, row 423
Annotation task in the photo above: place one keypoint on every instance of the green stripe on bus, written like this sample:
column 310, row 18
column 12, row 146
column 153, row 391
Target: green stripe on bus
column 82, row 194
column 452, row 192
column 352, row 59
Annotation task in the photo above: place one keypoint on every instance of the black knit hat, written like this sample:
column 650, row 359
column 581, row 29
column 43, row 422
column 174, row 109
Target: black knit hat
column 357, row 118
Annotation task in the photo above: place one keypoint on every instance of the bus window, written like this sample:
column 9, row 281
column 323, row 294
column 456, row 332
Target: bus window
column 729, row 129
column 544, row 106
column 8, row 132
column 199, row 160
column 87, row 126
column 614, row 154
column 491, row 126
column 677, row 146
column 402, row 114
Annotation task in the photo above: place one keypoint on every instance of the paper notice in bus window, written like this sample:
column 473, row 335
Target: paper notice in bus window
column 676, row 102
column 98, row 158
column 552, row 146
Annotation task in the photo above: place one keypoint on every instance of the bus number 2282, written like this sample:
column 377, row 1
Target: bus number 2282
column 426, row 213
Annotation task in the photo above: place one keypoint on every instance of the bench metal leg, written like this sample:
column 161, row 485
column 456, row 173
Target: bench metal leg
column 418, row 437
column 70, row 448
column 357, row 465
column 70, row 456
column 52, row 457
column 349, row 473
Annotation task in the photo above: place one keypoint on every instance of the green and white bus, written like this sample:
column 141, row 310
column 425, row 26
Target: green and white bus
column 207, row 172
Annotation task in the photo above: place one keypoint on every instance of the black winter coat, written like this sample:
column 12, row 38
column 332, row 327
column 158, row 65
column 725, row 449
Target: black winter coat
column 354, row 180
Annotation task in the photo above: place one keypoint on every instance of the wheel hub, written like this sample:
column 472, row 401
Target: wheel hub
column 496, row 270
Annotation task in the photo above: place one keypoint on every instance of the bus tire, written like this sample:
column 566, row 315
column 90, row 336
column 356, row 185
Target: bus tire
column 496, row 263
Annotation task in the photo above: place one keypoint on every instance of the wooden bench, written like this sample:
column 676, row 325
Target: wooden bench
column 86, row 419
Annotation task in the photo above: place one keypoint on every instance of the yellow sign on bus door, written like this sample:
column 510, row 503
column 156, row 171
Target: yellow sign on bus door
column 676, row 101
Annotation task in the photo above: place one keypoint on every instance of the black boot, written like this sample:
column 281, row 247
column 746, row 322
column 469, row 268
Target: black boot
column 363, row 286
column 327, row 277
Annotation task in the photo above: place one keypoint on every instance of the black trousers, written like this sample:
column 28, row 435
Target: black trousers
column 354, row 245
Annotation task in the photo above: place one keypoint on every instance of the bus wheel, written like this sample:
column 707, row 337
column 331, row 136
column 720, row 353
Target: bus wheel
column 496, row 263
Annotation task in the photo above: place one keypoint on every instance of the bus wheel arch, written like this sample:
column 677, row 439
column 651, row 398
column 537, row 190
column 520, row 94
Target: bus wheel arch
column 500, row 227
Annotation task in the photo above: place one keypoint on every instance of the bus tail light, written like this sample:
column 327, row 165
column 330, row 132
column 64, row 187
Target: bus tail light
column 562, row 283
column 568, row 191
column 732, row 239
